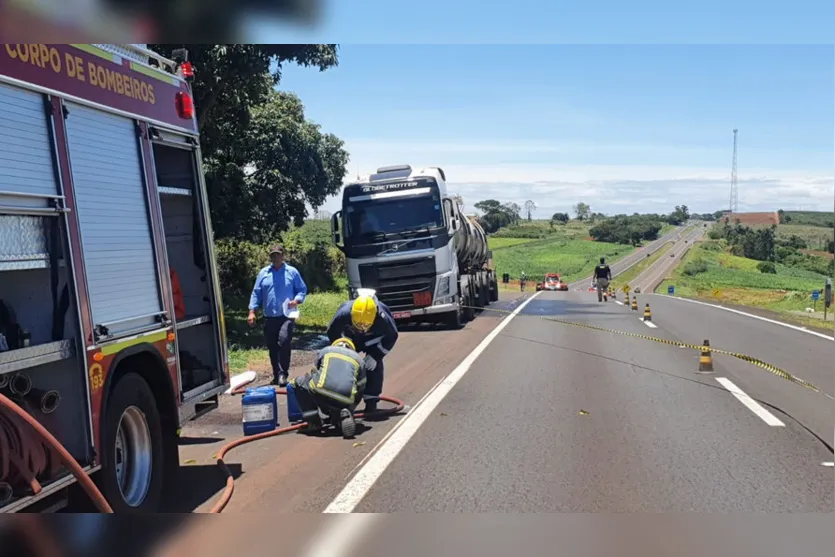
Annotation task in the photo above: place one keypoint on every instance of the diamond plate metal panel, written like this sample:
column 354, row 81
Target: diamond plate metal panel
column 22, row 238
column 23, row 358
column 121, row 50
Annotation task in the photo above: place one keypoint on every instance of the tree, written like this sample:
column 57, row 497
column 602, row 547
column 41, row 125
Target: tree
column 513, row 210
column 582, row 210
column 496, row 214
column 291, row 164
column 530, row 207
column 679, row 215
column 236, row 108
column 560, row 217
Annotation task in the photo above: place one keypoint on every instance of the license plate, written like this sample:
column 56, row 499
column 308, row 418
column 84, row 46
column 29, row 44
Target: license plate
column 422, row 298
column 401, row 314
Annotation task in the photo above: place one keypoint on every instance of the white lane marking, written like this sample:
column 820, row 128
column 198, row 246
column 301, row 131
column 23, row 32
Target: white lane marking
column 240, row 379
column 830, row 464
column 341, row 535
column 795, row 327
column 749, row 402
column 649, row 324
column 388, row 449
column 618, row 302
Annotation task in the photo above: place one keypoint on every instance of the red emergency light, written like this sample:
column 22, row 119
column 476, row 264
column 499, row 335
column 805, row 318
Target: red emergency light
column 185, row 105
column 186, row 70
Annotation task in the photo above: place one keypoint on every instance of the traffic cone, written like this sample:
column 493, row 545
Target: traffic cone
column 647, row 314
column 705, row 359
column 635, row 303
column 627, row 298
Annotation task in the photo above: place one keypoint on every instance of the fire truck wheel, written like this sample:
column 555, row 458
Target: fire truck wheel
column 132, row 459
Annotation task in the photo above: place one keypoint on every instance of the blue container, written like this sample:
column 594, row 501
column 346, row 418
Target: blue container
column 294, row 413
column 260, row 410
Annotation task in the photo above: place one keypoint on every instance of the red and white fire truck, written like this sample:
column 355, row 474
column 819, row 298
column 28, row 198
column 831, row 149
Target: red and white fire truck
column 111, row 324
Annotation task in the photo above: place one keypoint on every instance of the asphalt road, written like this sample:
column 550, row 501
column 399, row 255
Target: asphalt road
column 552, row 417
column 651, row 277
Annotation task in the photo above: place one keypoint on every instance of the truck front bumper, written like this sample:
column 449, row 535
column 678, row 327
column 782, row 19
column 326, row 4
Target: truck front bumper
column 428, row 310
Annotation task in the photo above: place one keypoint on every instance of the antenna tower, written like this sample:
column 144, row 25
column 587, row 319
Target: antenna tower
column 734, row 204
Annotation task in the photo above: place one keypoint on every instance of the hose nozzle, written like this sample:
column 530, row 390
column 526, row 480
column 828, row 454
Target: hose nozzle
column 20, row 384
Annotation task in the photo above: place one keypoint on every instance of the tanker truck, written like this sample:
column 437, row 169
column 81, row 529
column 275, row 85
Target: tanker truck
column 404, row 236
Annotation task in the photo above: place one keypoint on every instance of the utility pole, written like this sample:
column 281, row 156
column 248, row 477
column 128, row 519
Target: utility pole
column 734, row 204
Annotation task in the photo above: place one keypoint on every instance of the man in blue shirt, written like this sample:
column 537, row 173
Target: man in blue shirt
column 275, row 284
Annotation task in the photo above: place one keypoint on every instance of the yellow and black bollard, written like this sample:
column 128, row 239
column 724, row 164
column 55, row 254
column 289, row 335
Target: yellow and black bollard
column 647, row 314
column 634, row 303
column 705, row 359
column 627, row 298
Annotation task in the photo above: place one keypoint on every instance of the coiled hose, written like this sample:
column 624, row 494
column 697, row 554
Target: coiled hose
column 43, row 451
column 31, row 454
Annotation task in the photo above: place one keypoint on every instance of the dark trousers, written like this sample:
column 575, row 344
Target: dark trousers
column 374, row 370
column 278, row 333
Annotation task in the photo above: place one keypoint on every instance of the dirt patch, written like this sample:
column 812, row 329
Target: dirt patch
column 753, row 219
column 818, row 253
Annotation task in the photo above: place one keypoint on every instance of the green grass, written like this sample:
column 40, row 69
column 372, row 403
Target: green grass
column 810, row 218
column 246, row 344
column 737, row 280
column 633, row 272
column 572, row 258
column 503, row 242
column 816, row 237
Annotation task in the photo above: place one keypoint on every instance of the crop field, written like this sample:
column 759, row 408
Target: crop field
column 737, row 280
column 502, row 242
column 817, row 237
column 810, row 218
column 573, row 259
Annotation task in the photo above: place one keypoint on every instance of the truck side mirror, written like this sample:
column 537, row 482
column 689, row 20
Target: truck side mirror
column 450, row 211
column 335, row 229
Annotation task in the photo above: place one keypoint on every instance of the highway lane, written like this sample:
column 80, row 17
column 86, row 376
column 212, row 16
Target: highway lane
column 635, row 257
column 652, row 276
column 560, row 419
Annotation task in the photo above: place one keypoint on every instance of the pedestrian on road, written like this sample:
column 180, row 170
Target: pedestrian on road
column 369, row 323
column 603, row 274
column 278, row 284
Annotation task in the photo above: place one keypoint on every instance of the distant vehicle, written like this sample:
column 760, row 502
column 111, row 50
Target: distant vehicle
column 552, row 282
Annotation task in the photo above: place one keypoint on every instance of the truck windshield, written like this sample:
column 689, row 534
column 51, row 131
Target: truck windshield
column 392, row 216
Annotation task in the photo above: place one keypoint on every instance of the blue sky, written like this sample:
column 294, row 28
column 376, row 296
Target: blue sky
column 624, row 128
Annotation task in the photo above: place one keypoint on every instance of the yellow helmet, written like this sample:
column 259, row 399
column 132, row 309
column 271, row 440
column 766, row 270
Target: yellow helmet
column 345, row 342
column 363, row 312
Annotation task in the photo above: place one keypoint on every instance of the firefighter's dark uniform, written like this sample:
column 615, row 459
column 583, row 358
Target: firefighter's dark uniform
column 376, row 343
column 603, row 274
column 337, row 381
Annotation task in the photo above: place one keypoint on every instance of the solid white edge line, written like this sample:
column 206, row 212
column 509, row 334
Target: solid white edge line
column 750, row 403
column 341, row 536
column 767, row 320
column 649, row 324
column 388, row 449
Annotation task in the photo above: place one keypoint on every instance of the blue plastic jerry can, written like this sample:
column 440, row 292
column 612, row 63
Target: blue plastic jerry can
column 294, row 412
column 259, row 410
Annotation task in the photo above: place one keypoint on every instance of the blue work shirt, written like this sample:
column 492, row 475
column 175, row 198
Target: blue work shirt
column 273, row 286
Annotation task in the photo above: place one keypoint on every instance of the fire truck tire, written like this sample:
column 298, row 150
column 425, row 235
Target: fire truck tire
column 133, row 457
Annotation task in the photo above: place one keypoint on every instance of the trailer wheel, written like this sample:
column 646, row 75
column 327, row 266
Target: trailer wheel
column 494, row 292
column 132, row 459
column 456, row 320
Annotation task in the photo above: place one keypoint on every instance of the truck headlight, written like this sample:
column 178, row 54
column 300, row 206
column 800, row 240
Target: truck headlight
column 443, row 286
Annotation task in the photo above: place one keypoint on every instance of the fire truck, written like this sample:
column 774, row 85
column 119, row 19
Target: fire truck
column 111, row 324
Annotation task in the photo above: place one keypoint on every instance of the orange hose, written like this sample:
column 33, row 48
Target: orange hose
column 68, row 460
column 230, row 481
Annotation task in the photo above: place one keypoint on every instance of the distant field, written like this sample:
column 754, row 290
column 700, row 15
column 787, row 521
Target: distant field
column 542, row 229
column 810, row 218
column 816, row 237
column 502, row 242
column 573, row 259
column 737, row 280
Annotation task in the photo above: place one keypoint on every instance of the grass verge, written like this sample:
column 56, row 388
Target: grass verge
column 710, row 274
column 246, row 344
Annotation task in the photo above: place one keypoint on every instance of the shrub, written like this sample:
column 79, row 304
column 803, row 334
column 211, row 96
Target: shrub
column 695, row 267
column 767, row 267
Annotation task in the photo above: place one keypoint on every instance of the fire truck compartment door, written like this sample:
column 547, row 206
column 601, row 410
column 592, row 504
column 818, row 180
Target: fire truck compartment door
column 26, row 162
column 112, row 206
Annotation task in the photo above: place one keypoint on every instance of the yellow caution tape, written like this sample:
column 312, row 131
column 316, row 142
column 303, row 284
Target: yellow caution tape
column 744, row 357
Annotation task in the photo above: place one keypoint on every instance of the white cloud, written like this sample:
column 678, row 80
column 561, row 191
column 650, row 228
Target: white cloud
column 608, row 188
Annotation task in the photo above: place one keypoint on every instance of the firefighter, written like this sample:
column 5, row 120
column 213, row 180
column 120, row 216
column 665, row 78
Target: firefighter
column 603, row 274
column 333, row 387
column 370, row 325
